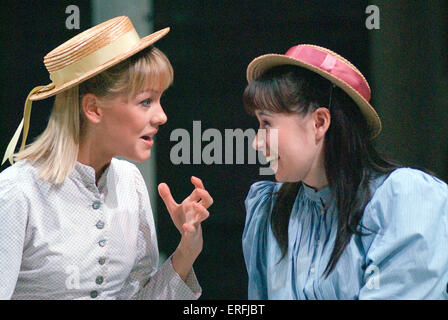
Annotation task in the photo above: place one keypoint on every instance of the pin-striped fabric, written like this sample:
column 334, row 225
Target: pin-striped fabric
column 82, row 240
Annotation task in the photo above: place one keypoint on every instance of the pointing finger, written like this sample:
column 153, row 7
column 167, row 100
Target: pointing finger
column 165, row 194
column 197, row 182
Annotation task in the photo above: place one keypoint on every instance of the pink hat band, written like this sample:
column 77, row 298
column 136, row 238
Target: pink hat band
column 332, row 64
column 329, row 65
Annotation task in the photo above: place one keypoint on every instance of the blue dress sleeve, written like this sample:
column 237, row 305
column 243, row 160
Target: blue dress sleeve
column 258, row 203
column 407, row 255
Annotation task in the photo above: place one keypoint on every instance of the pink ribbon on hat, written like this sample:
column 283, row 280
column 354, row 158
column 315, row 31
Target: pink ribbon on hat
column 331, row 64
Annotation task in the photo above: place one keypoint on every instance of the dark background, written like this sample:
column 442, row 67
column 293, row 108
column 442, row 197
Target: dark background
column 210, row 45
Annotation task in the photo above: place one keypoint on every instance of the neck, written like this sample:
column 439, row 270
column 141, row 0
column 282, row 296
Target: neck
column 317, row 177
column 91, row 156
column 317, row 183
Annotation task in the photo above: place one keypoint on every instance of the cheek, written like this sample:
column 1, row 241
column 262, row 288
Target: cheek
column 297, row 149
column 122, row 133
column 129, row 123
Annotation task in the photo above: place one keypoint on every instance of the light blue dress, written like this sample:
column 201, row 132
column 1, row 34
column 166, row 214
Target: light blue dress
column 406, row 257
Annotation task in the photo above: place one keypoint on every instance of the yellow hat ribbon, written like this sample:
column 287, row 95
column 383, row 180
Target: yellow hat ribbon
column 24, row 124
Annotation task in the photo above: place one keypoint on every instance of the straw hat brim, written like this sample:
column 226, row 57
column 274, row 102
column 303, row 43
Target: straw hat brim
column 262, row 63
column 143, row 43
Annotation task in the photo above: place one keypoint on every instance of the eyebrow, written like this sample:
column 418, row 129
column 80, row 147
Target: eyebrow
column 150, row 92
column 263, row 113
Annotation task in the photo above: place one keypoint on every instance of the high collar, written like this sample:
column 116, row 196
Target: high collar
column 322, row 195
column 87, row 175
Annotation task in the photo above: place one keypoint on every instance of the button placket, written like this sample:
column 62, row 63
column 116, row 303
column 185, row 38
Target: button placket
column 101, row 261
column 100, row 225
column 99, row 280
column 316, row 254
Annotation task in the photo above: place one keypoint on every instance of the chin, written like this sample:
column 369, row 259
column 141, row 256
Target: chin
column 286, row 178
column 280, row 178
column 143, row 158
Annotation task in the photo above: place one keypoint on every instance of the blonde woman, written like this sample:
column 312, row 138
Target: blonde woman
column 75, row 222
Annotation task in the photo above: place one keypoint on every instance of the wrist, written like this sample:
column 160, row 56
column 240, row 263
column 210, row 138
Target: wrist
column 182, row 261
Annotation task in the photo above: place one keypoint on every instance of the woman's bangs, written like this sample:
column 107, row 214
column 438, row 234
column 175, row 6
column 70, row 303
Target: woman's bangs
column 152, row 71
column 263, row 96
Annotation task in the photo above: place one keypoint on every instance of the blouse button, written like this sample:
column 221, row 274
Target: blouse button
column 100, row 224
column 102, row 243
column 99, row 280
column 102, row 261
column 96, row 205
column 312, row 270
column 93, row 294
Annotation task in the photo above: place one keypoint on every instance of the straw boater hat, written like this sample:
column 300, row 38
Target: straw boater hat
column 82, row 57
column 329, row 65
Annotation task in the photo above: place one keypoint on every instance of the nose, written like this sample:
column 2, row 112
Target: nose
column 159, row 117
column 260, row 140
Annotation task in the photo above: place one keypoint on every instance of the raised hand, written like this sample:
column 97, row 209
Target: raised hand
column 192, row 211
column 187, row 217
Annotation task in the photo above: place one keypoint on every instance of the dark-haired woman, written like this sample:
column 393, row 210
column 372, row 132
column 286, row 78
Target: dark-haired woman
column 341, row 222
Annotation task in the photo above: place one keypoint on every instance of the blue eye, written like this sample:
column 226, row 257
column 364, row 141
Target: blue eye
column 266, row 123
column 146, row 102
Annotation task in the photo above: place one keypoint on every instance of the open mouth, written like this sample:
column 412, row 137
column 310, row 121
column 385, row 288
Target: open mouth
column 147, row 140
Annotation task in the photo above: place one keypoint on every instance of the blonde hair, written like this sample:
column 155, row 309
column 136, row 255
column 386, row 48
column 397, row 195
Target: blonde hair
column 56, row 149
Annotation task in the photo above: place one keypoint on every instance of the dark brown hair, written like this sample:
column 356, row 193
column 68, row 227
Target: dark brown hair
column 351, row 160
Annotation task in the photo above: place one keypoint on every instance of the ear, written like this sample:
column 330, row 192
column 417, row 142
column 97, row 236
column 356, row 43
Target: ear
column 322, row 120
column 91, row 107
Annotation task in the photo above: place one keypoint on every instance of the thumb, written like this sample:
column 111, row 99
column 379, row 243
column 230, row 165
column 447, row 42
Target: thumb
column 165, row 194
